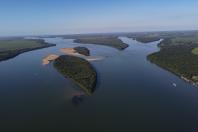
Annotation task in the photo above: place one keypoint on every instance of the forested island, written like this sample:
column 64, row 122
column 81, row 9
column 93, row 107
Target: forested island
column 101, row 40
column 79, row 70
column 179, row 55
column 147, row 39
column 74, row 66
column 82, row 50
column 10, row 48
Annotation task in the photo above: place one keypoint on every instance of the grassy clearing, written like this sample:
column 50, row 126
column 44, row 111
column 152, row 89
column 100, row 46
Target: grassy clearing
column 195, row 51
column 185, row 40
column 20, row 44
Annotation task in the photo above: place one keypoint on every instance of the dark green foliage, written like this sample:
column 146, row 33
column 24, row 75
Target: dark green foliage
column 107, row 41
column 7, row 54
column 147, row 39
column 14, row 47
column 176, row 56
column 82, row 50
column 78, row 70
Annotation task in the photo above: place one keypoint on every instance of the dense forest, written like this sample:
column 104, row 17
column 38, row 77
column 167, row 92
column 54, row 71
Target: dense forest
column 106, row 41
column 82, row 50
column 78, row 70
column 176, row 56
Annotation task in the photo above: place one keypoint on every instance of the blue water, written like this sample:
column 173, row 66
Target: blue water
column 131, row 94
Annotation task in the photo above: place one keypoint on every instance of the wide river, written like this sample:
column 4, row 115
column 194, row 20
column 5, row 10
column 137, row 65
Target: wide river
column 131, row 93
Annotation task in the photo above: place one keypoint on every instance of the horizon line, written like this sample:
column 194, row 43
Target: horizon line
column 116, row 32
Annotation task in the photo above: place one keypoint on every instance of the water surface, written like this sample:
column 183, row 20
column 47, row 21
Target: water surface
column 131, row 93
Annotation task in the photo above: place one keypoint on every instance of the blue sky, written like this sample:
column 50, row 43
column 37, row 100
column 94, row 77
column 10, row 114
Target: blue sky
column 35, row 17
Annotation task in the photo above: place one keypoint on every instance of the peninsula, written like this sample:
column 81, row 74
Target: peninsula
column 103, row 40
column 10, row 48
column 180, row 56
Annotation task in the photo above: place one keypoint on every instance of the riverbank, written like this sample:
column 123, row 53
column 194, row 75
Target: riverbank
column 49, row 58
column 176, row 56
column 12, row 48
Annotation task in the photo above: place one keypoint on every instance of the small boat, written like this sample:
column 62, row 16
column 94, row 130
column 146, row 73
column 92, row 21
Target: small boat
column 174, row 84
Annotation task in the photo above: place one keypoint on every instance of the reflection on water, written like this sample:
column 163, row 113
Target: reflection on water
column 78, row 98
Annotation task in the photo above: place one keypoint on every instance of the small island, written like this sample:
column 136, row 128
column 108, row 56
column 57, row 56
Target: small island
column 82, row 50
column 76, row 51
column 180, row 56
column 10, row 48
column 103, row 40
column 147, row 39
column 79, row 70
column 75, row 65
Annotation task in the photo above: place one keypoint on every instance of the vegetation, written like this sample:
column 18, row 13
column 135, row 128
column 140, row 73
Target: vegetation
column 144, row 37
column 195, row 51
column 147, row 38
column 13, row 47
column 82, row 50
column 107, row 41
column 176, row 56
column 78, row 70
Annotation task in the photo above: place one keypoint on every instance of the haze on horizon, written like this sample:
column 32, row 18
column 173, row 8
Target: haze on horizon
column 36, row 17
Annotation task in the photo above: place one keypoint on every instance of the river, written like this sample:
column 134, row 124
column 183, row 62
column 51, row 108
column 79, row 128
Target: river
column 131, row 93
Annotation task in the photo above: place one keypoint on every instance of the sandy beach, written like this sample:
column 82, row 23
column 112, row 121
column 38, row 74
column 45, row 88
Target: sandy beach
column 73, row 52
column 69, row 51
column 49, row 58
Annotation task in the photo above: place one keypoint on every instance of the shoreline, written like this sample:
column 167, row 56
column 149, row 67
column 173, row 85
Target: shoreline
column 189, row 81
column 49, row 59
column 70, row 52
column 113, row 42
column 176, row 74
column 14, row 53
column 176, row 56
column 73, row 52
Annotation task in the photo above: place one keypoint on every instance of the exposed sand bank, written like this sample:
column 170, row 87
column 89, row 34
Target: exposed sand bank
column 72, row 52
column 49, row 58
column 69, row 51
column 93, row 58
